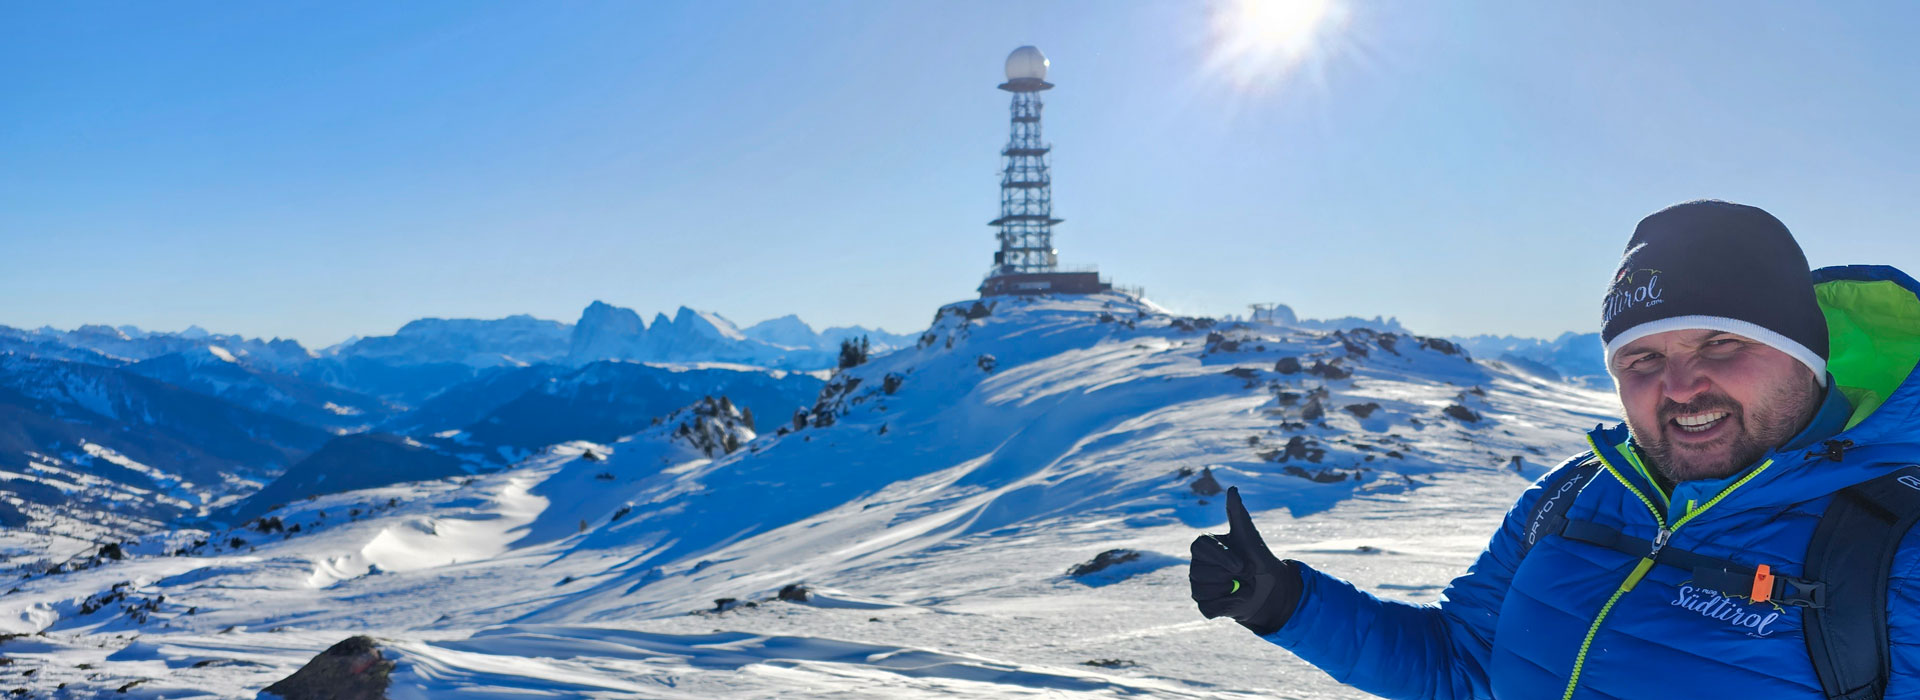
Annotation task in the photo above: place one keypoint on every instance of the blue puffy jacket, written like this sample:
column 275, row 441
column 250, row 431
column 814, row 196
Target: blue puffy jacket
column 1573, row 620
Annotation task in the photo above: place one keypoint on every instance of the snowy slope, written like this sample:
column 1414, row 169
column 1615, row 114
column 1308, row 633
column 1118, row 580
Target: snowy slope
column 933, row 500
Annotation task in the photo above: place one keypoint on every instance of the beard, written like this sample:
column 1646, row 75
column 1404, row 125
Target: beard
column 1778, row 415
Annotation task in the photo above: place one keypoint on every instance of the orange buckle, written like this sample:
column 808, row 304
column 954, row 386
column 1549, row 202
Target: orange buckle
column 1762, row 584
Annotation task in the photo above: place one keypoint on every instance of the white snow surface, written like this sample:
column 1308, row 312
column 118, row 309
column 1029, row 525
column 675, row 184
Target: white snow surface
column 934, row 520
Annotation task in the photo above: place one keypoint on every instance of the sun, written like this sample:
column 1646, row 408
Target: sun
column 1259, row 42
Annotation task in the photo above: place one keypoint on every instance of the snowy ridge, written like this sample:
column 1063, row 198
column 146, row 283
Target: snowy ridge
column 932, row 499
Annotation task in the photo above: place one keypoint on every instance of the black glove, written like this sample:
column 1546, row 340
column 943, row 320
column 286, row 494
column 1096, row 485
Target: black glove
column 1235, row 575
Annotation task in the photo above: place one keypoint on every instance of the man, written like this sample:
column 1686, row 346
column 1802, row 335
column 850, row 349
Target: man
column 1754, row 392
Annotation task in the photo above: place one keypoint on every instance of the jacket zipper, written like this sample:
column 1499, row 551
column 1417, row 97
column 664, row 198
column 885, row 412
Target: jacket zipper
column 1646, row 563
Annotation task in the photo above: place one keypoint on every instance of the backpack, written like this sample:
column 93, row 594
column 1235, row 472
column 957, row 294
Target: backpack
column 1843, row 592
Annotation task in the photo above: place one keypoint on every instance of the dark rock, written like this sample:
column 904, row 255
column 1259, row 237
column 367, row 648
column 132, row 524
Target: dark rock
column 1296, row 448
column 1205, row 485
column 1320, row 476
column 1248, row 373
column 979, row 310
column 1287, row 365
column 1286, row 398
column 1110, row 663
column 1329, row 371
column 892, row 382
column 354, row 669
column 1314, row 410
column 1103, row 560
column 987, row 363
column 1441, row 345
column 794, row 593
column 592, row 456
column 1361, row 410
column 1459, row 412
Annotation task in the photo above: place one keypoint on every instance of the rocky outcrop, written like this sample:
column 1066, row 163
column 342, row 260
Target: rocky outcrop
column 606, row 332
column 354, row 669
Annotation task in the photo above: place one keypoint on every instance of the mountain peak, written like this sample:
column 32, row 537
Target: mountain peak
column 706, row 323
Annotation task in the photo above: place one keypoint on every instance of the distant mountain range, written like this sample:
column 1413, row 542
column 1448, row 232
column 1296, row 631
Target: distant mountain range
column 1572, row 357
column 108, row 429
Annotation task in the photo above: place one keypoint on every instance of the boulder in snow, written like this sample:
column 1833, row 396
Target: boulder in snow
column 354, row 669
column 1205, row 485
column 1101, row 561
column 1361, row 410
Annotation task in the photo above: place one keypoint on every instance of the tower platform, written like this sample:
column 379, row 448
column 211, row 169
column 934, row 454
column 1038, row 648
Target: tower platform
column 1022, row 283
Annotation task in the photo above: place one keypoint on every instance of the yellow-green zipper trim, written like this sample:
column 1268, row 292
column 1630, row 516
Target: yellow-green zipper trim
column 1639, row 571
column 1646, row 563
column 1633, row 458
column 1658, row 515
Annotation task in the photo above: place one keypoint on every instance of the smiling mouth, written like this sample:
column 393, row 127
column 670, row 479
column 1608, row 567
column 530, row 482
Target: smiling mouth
column 1699, row 422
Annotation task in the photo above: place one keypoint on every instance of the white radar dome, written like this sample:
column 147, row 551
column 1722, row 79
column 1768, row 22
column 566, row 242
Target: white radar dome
column 1026, row 62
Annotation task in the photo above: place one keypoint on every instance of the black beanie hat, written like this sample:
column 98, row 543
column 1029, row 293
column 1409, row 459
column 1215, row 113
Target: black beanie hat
column 1721, row 266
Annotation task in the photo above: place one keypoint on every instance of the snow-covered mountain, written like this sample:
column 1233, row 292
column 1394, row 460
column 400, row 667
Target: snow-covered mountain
column 512, row 341
column 610, row 332
column 430, row 355
column 914, row 533
column 607, row 332
column 88, row 452
column 790, row 331
column 131, row 344
column 1573, row 357
column 214, row 371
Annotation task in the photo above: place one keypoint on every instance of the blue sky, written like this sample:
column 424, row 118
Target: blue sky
column 318, row 170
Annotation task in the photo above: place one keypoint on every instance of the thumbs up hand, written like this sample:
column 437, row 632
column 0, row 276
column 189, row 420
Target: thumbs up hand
column 1236, row 576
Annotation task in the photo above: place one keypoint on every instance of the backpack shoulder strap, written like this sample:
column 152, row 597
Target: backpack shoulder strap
column 1852, row 551
column 1549, row 514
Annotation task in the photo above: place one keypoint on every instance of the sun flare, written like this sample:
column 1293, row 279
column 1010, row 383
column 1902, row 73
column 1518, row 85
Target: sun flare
column 1257, row 42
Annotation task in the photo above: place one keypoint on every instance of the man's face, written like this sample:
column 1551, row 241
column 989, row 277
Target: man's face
column 1705, row 404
